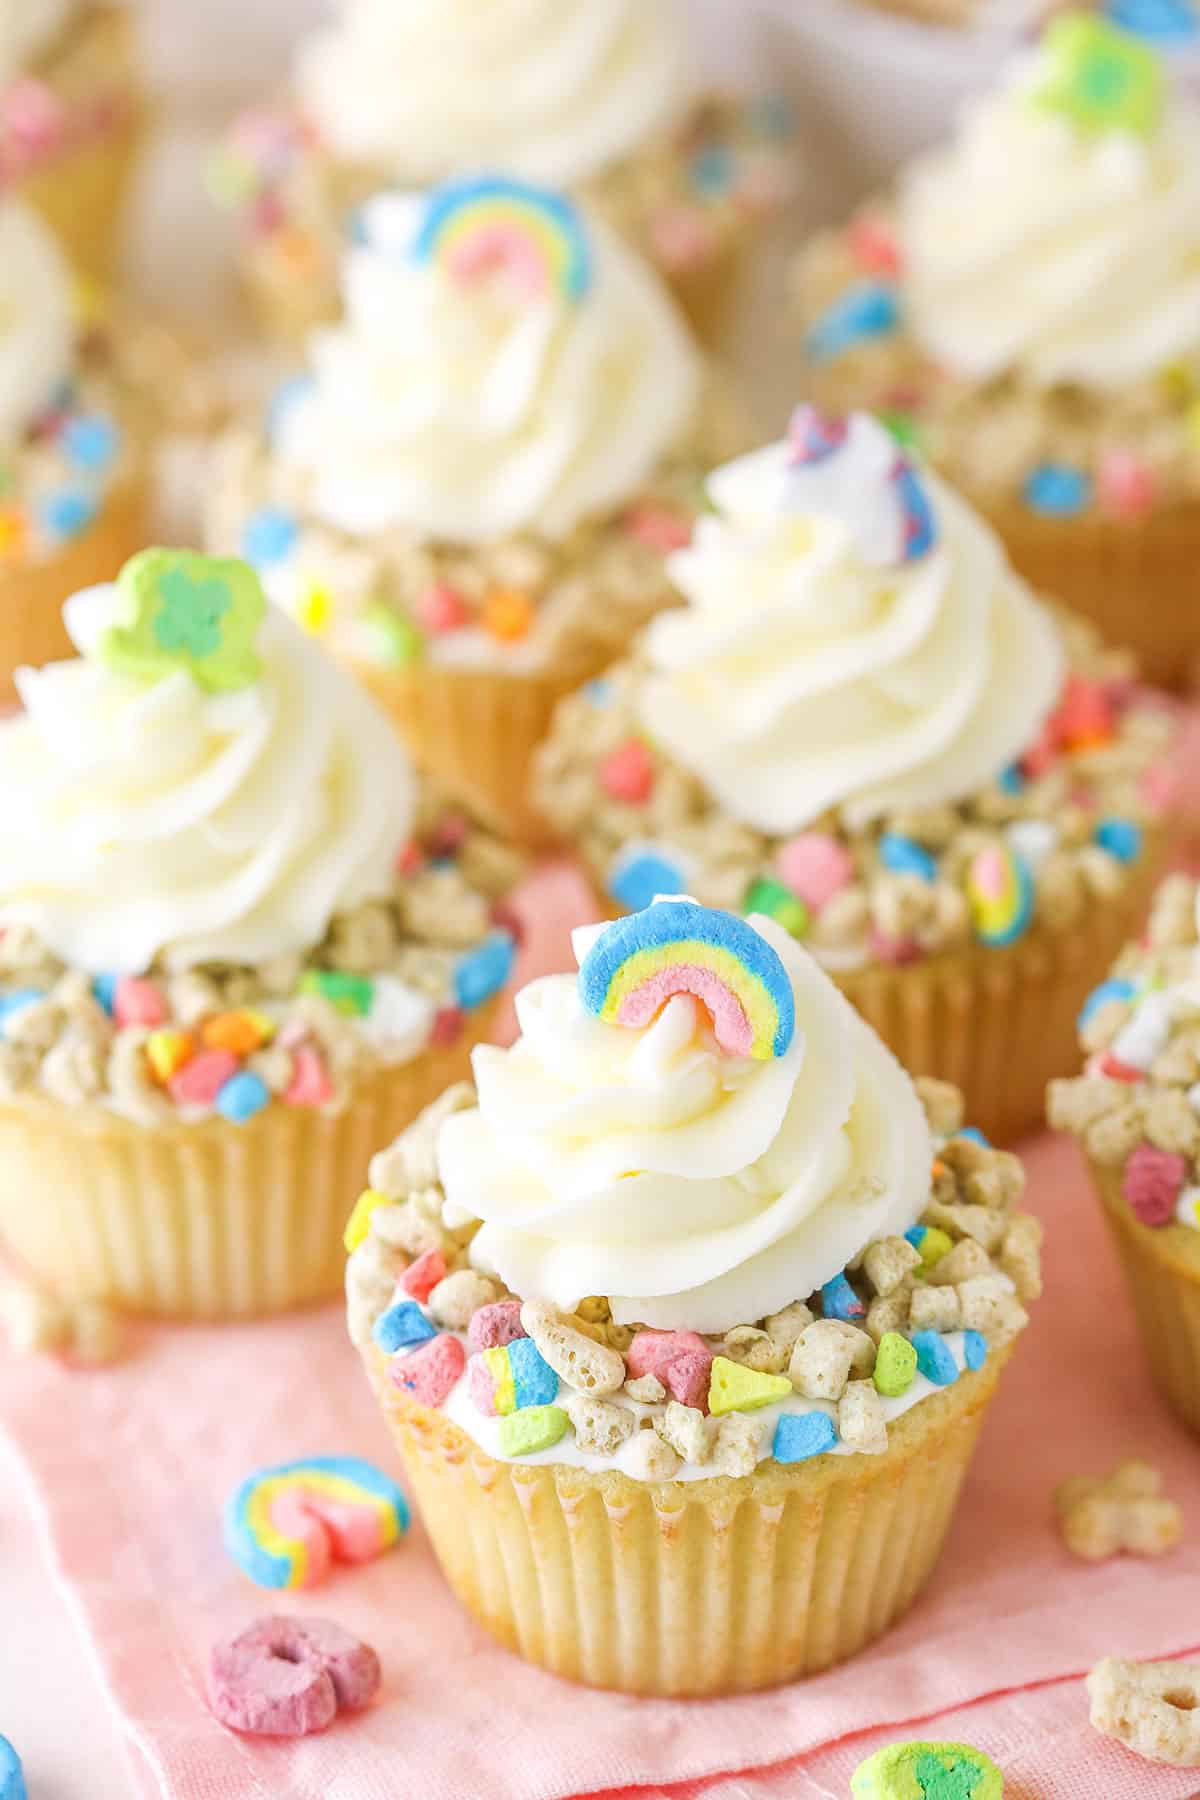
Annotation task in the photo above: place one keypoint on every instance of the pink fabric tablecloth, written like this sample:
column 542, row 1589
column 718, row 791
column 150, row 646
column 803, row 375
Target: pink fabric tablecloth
column 131, row 1464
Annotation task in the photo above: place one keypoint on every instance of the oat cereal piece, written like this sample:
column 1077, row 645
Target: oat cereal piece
column 989, row 1308
column 1100, row 1516
column 600, row 1427
column 1171, row 1122
column 414, row 1225
column 888, row 1315
column 981, row 1223
column 1112, row 1139
column 456, row 1299
column 860, row 1419
column 646, row 1457
column 943, row 1104
column 1000, row 1183
column 887, row 1261
column 1075, row 1103
column 820, row 1364
column 1151, row 1708
column 1021, row 1256
column 754, row 1349
column 935, row 1309
column 584, row 1365
column 737, row 1447
column 646, row 1388
column 687, row 1431
column 784, row 1328
column 963, row 1263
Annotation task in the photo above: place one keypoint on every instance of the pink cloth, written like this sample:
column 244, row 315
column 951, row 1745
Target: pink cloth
column 131, row 1465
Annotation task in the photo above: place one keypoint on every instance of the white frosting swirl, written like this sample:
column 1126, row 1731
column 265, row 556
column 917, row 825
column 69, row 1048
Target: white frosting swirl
column 26, row 27
column 1032, row 246
column 146, row 819
column 695, row 1189
column 37, row 332
column 807, row 673
column 552, row 90
column 467, row 411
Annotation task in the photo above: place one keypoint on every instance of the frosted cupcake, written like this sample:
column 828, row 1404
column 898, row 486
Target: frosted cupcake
column 72, row 488
column 1134, row 1110
column 689, row 1314
column 237, row 946
column 595, row 100
column 1069, row 413
column 470, row 497
column 71, row 111
column 864, row 724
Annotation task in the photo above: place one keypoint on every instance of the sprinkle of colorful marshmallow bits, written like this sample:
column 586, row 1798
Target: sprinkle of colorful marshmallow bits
column 288, row 1677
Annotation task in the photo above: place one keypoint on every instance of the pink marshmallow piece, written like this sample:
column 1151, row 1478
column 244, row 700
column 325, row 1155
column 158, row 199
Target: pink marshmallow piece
column 481, row 1387
column 651, row 1352
column 687, row 1378
column 732, row 1028
column 1152, row 1184
column 815, row 866
column 137, row 1001
column 422, row 1276
column 429, row 1373
column 495, row 1325
column 329, row 1529
column 627, row 773
column 199, row 1081
column 1125, row 483
column 310, row 1084
column 287, row 1677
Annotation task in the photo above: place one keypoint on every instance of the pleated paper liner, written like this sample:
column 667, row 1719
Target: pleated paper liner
column 208, row 1220
column 81, row 191
column 1137, row 580
column 691, row 1588
column 1162, row 1272
column 32, row 594
column 475, row 731
column 1001, row 1023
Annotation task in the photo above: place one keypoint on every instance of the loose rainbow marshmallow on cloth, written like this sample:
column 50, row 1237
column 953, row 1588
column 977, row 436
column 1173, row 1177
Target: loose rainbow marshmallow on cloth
column 677, row 947
column 487, row 223
column 285, row 1525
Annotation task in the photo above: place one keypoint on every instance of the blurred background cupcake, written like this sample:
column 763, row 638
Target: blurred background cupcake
column 238, row 943
column 1026, row 308
column 1134, row 1112
column 863, row 724
column 470, row 496
column 71, row 116
column 675, row 1321
column 72, row 484
column 601, row 101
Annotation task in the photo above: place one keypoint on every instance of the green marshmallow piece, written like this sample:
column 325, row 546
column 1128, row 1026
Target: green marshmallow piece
column 927, row 1772
column 1100, row 78
column 779, row 903
column 389, row 638
column 733, row 1388
column 184, row 611
column 533, row 1428
column 351, row 994
column 895, row 1365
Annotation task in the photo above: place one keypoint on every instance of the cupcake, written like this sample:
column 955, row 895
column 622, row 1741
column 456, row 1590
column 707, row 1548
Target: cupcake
column 863, row 724
column 1026, row 308
column 1134, row 1111
column 73, row 493
column 688, row 1314
column 239, row 946
column 71, row 111
column 407, row 96
column 470, row 496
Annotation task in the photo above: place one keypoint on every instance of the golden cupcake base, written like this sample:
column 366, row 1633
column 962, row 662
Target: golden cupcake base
column 32, row 594
column 1137, row 580
column 691, row 1588
column 1002, row 1023
column 209, row 1220
column 1162, row 1272
column 475, row 731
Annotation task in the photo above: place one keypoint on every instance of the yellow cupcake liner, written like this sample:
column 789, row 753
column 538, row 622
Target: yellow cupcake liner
column 1162, row 1272
column 1137, row 580
column 475, row 732
column 209, row 1220
column 32, row 594
column 691, row 1588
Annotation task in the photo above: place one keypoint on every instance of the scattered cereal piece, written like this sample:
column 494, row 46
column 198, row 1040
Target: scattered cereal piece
column 737, row 1446
column 287, row 1677
column 647, row 1389
column 1101, row 1515
column 1151, row 1708
column 888, row 1261
column 687, row 1431
column 820, row 1363
column 934, row 1309
column 895, row 1365
column 495, row 1325
column 422, row 1276
column 646, row 1457
column 600, row 1427
column 401, row 1326
column 737, row 1389
column 860, row 1419
column 455, row 1299
column 801, row 1435
column 584, row 1365
column 430, row 1372
column 935, row 1359
column 927, row 1771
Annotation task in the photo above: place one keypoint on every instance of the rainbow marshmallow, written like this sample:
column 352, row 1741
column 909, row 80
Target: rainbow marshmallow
column 1000, row 895
column 284, row 1526
column 510, row 1377
column 677, row 947
column 487, row 222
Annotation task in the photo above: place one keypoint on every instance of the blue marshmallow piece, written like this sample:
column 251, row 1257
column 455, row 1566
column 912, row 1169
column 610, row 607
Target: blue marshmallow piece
column 534, row 1381
column 801, row 1435
column 66, row 514
column 976, row 1136
column 867, row 310
column 839, row 1301
column 935, row 1359
column 484, row 970
column 401, row 1325
column 1100, row 996
column 91, row 441
column 14, row 1002
column 636, row 879
column 974, row 1349
column 1164, row 22
column 243, row 1095
column 1057, row 490
column 904, row 857
column 268, row 535
column 12, row 1776
column 1122, row 838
